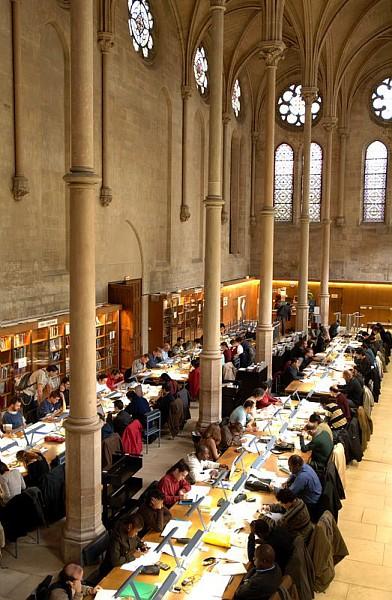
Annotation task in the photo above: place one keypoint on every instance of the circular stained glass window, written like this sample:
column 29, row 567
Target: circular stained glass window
column 141, row 24
column 200, row 68
column 236, row 98
column 382, row 100
column 291, row 107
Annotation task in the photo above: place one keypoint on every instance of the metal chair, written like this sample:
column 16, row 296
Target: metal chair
column 152, row 427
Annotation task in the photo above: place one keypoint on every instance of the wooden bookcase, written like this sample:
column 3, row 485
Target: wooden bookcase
column 35, row 343
column 128, row 293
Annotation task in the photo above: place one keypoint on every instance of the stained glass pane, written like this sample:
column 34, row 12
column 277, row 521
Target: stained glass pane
column 283, row 184
column 316, row 180
column 200, row 68
column 291, row 107
column 382, row 100
column 235, row 98
column 375, row 181
column 141, row 24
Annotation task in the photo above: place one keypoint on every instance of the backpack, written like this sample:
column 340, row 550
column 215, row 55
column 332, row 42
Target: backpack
column 23, row 383
column 42, row 592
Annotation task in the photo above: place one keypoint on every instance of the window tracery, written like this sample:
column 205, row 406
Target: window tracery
column 382, row 100
column 284, row 183
column 291, row 107
column 141, row 23
column 236, row 98
column 316, row 182
column 375, row 181
column 200, row 69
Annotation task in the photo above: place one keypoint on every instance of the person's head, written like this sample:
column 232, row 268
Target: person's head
column 64, row 384
column 285, row 497
column 26, row 456
column 294, row 362
column 70, row 572
column 153, row 496
column 309, row 352
column 133, row 524
column 115, row 373
column 213, row 431
column 264, row 557
column 248, row 406
column 54, row 397
column 195, row 363
column 156, row 353
column 166, row 387
column 138, row 390
column 295, row 463
column 260, row 528
column 266, row 386
column 222, row 328
column 236, row 428
column 224, row 346
column 164, row 378
column 118, row 405
column 360, row 353
column 258, row 393
column 334, row 391
column 202, row 452
column 347, row 375
column 180, row 340
column 315, row 418
column 14, row 405
column 239, row 340
column 102, row 378
column 3, row 468
column 52, row 370
column 179, row 471
column 166, row 347
column 144, row 359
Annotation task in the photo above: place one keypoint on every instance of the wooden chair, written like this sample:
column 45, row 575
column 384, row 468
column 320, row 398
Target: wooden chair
column 286, row 591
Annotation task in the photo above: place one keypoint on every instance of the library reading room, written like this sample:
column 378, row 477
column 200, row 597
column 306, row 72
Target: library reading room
column 196, row 316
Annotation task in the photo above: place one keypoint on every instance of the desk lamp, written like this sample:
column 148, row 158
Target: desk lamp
column 219, row 480
column 167, row 540
column 196, row 506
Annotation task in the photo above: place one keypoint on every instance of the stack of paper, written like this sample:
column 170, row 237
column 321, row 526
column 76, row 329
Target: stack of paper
column 182, row 528
column 211, row 585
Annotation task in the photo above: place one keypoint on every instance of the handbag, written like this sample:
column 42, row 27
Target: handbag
column 281, row 447
column 257, row 485
column 150, row 570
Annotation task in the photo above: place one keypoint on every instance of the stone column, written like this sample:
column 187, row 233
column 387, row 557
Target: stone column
column 226, row 169
column 211, row 368
column 106, row 42
column 297, row 186
column 186, row 93
column 20, row 183
column 308, row 94
column 343, row 135
column 272, row 53
column 255, row 137
column 83, row 436
column 329, row 125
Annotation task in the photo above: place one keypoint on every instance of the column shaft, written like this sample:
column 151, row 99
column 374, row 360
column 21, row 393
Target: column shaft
column 226, row 170
column 343, row 134
column 308, row 95
column 211, row 370
column 83, row 440
column 106, row 43
column 185, row 210
column 255, row 136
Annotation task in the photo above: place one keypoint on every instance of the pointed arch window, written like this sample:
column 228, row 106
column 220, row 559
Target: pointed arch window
column 284, row 183
column 375, row 183
column 316, row 182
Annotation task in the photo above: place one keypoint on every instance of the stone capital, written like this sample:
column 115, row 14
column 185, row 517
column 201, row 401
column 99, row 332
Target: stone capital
column 105, row 196
column 186, row 92
column 226, row 118
column 105, row 41
column 329, row 123
column 309, row 94
column 66, row 4
column 213, row 201
column 185, row 213
column 272, row 52
column 20, row 187
column 217, row 4
column 81, row 177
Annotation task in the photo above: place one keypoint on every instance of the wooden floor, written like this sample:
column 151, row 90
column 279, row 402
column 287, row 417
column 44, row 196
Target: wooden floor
column 366, row 518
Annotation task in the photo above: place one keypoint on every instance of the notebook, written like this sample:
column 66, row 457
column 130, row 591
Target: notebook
column 146, row 591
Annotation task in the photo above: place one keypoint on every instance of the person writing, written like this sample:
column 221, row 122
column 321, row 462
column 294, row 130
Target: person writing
column 304, row 483
column 243, row 415
column 262, row 581
column 124, row 542
column 153, row 512
column 52, row 406
column 201, row 468
column 174, row 484
column 295, row 515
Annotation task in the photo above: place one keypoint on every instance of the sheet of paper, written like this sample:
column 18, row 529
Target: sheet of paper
column 230, row 568
column 198, row 491
column 150, row 558
column 235, row 554
column 105, row 594
column 182, row 531
column 211, row 585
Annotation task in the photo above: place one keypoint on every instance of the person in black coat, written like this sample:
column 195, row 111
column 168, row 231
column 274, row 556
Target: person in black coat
column 292, row 372
column 352, row 389
column 280, row 538
column 262, row 581
column 120, row 417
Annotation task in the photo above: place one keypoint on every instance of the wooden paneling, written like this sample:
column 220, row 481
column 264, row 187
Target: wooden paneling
column 129, row 295
column 230, row 295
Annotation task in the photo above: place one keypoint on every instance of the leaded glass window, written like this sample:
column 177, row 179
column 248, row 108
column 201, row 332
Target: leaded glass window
column 283, row 183
column 382, row 100
column 141, row 25
column 375, row 183
column 200, row 68
column 291, row 107
column 236, row 98
column 316, row 182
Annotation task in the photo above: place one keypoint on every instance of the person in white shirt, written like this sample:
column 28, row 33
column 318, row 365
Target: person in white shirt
column 200, row 467
column 102, row 388
column 11, row 483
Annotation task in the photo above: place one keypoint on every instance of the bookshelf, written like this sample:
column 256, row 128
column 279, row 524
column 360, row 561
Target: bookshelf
column 36, row 343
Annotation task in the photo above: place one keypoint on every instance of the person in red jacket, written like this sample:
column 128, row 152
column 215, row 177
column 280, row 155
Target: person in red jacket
column 263, row 396
column 114, row 378
column 194, row 380
column 174, row 485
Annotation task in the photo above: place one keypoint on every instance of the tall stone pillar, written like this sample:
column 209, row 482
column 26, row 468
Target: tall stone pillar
column 185, row 212
column 211, row 367
column 226, row 169
column 106, row 41
column 83, row 437
column 271, row 52
column 20, row 183
column 309, row 94
column 329, row 125
column 343, row 135
column 255, row 137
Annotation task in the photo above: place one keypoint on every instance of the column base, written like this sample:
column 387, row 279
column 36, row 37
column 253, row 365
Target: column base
column 264, row 343
column 20, row 187
column 302, row 318
column 210, row 402
column 324, row 309
column 83, row 485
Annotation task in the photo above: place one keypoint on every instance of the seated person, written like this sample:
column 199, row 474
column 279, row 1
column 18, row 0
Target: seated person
column 231, row 434
column 341, row 400
column 320, row 446
column 165, row 378
column 166, row 352
column 226, row 352
column 138, row 405
column 69, row 585
column 50, row 407
column 280, row 538
column 138, row 366
column 154, row 359
column 184, row 395
column 295, row 517
column 316, row 422
column 102, row 387
column 292, row 373
column 309, row 354
column 261, row 582
column 13, row 415
column 124, row 542
column 262, row 396
column 11, row 483
column 107, row 427
column 200, row 467
column 35, row 464
column 115, row 377
column 194, row 380
column 304, row 483
column 174, row 484
column 163, row 403
column 211, row 438
column 153, row 512
column 64, row 390
column 120, row 418
column 243, row 415
column 334, row 415
column 352, row 389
